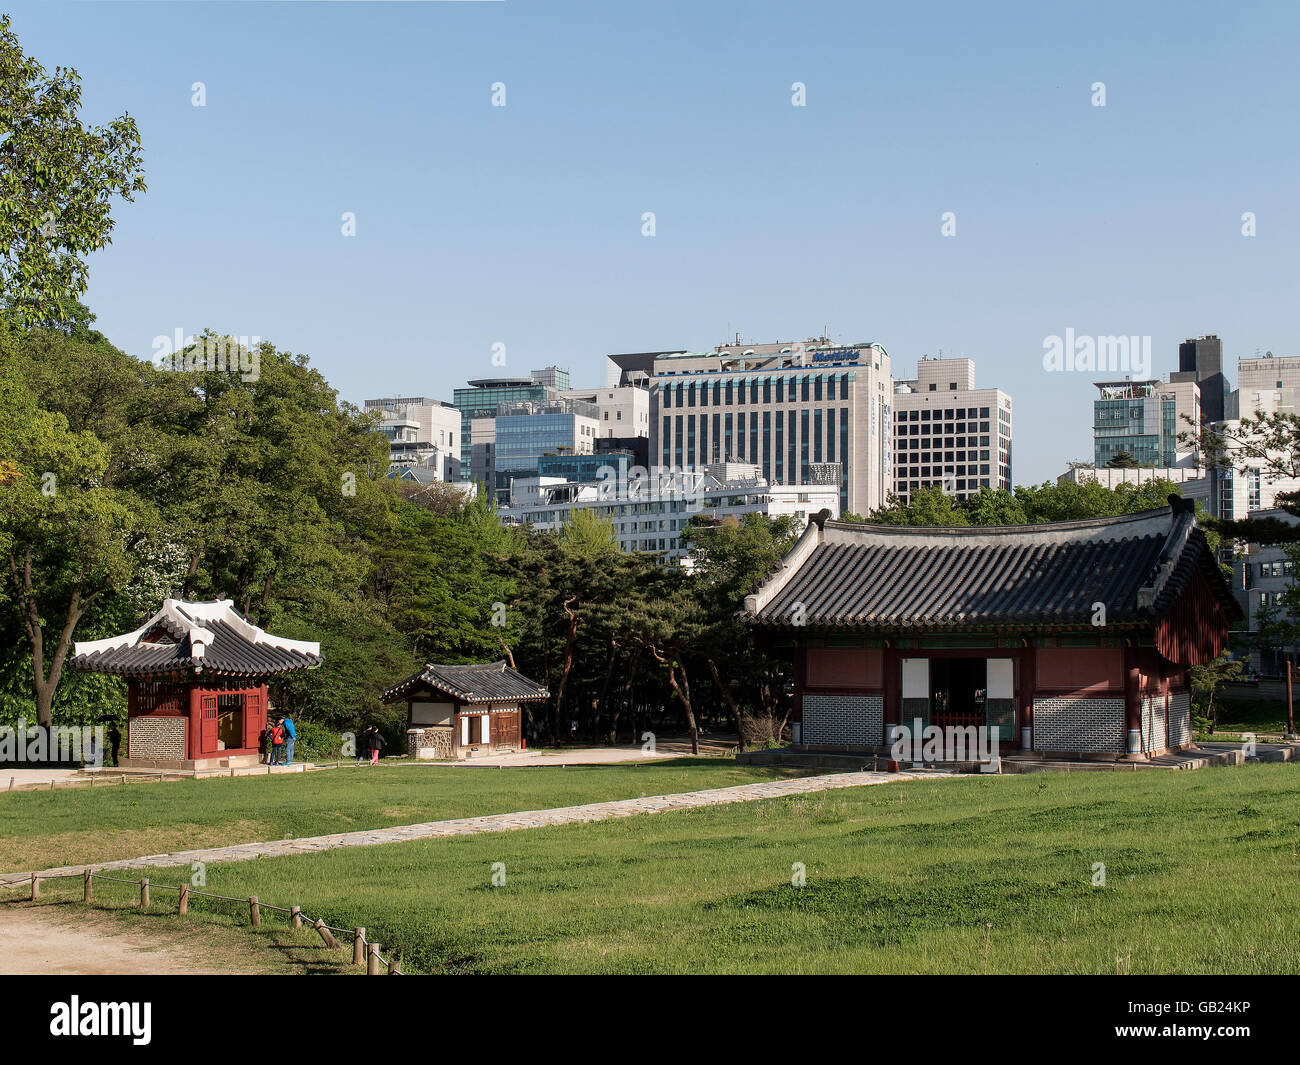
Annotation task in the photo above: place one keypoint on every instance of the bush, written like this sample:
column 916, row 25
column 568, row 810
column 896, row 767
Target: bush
column 317, row 742
column 761, row 731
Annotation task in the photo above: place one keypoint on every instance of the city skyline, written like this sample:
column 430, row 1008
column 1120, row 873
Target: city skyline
column 478, row 226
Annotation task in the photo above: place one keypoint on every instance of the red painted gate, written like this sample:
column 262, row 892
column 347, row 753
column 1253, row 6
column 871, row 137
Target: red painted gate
column 207, row 724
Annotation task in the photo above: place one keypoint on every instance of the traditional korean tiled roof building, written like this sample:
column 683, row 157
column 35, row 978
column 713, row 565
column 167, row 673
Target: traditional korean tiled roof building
column 196, row 683
column 1072, row 638
column 454, row 711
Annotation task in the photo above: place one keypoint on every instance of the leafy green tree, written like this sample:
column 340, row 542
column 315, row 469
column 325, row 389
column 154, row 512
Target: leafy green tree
column 929, row 505
column 69, row 538
column 732, row 557
column 995, row 506
column 670, row 627
column 58, row 181
column 1123, row 460
column 1071, row 501
column 1208, row 678
column 1264, row 443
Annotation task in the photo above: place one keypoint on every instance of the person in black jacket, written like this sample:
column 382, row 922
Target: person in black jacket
column 363, row 745
column 377, row 744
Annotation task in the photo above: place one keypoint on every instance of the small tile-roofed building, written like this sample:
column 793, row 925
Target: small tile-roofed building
column 196, row 683
column 1068, row 639
column 457, row 711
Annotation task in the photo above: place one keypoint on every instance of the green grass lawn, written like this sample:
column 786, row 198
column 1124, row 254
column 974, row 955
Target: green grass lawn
column 41, row 829
column 1250, row 715
column 966, row 875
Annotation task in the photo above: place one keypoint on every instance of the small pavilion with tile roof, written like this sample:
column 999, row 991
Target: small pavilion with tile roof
column 457, row 711
column 1069, row 639
column 196, row 683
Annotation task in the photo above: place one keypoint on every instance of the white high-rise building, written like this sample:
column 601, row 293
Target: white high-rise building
column 805, row 413
column 622, row 410
column 421, row 432
column 949, row 433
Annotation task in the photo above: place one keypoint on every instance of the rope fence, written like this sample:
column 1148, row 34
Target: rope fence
column 364, row 953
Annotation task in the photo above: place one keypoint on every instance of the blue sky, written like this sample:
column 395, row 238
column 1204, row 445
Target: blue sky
column 522, row 224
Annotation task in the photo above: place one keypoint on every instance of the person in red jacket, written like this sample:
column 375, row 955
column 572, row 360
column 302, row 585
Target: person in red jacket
column 277, row 742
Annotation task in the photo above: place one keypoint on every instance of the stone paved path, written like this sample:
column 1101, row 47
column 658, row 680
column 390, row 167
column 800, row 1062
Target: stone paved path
column 466, row 826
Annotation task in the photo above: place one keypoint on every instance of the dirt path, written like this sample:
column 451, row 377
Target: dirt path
column 76, row 942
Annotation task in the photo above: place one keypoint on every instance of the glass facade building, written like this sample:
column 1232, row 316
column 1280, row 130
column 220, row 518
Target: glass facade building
column 1139, row 421
column 522, row 440
column 482, row 398
column 586, row 468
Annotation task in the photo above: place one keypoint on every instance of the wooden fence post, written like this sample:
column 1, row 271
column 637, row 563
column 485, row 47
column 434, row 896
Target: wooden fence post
column 395, row 968
column 359, row 947
column 36, row 887
column 330, row 941
column 295, row 915
column 144, row 893
column 87, row 891
column 254, row 912
column 372, row 960
column 184, row 905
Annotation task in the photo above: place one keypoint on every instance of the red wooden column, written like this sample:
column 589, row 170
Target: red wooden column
column 132, row 707
column 1026, row 682
column 893, row 682
column 1132, row 706
column 192, row 733
column 800, row 680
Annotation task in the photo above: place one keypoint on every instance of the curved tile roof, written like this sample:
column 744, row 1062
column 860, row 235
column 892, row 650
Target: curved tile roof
column 1036, row 576
column 199, row 638
column 479, row 683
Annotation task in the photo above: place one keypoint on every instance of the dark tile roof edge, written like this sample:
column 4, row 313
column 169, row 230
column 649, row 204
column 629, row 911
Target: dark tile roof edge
column 433, row 675
column 197, row 625
column 1176, row 522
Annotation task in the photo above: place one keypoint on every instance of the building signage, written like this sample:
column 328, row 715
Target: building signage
column 843, row 355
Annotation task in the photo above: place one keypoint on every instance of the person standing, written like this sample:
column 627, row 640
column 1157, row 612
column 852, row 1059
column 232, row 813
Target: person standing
column 363, row 745
column 290, row 734
column 277, row 741
column 377, row 744
column 114, row 740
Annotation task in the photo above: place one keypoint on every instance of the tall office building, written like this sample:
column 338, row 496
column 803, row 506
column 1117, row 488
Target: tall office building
column 1245, row 483
column 1201, row 360
column 802, row 412
column 1146, row 419
column 1266, row 384
column 949, row 433
column 481, row 398
column 526, row 432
